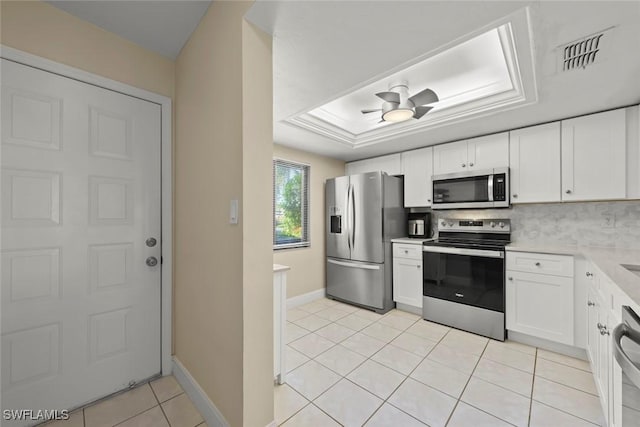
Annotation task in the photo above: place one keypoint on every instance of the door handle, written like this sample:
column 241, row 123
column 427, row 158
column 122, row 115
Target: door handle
column 353, row 217
column 151, row 261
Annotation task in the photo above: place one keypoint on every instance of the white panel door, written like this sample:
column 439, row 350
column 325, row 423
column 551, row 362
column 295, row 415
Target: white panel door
column 488, row 152
column 594, row 157
column 417, row 168
column 80, row 196
column 407, row 281
column 535, row 164
column 450, row 158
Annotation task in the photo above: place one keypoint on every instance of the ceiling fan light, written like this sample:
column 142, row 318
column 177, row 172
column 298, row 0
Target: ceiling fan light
column 398, row 115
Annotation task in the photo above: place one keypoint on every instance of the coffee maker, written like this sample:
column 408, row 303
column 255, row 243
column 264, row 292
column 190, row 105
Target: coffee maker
column 419, row 225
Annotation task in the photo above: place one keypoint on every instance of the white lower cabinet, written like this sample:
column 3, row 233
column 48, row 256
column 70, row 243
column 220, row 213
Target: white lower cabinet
column 539, row 304
column 407, row 274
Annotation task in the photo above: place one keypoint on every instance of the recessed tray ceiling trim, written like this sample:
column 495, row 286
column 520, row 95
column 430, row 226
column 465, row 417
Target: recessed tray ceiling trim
column 487, row 97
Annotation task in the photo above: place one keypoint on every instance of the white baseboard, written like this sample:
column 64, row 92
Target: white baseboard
column 272, row 424
column 305, row 298
column 210, row 413
column 567, row 350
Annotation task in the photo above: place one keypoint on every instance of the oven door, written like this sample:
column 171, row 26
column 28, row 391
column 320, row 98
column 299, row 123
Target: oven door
column 626, row 349
column 467, row 276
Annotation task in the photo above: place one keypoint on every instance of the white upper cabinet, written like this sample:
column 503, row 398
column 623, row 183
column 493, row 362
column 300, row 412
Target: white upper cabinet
column 594, row 157
column 449, row 158
column 485, row 152
column 417, row 167
column 488, row 152
column 535, row 164
column 389, row 164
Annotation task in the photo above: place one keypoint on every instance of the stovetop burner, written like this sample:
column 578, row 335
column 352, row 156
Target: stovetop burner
column 492, row 234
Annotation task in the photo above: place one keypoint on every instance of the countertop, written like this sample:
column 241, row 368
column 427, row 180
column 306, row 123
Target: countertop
column 410, row 240
column 608, row 260
column 277, row 268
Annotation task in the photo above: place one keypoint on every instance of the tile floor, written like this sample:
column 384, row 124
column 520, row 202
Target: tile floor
column 352, row 367
column 161, row 403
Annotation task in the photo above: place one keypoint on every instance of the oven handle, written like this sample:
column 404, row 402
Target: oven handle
column 630, row 369
column 463, row 251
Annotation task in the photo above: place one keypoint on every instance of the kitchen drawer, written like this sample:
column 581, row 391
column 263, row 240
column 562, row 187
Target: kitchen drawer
column 557, row 265
column 407, row 251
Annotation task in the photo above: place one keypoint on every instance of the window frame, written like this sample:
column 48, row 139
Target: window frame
column 306, row 204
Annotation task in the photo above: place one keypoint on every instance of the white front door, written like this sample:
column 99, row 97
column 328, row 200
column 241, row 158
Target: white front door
column 80, row 197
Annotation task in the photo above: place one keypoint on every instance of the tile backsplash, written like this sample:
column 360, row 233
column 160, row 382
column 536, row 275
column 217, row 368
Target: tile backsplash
column 566, row 223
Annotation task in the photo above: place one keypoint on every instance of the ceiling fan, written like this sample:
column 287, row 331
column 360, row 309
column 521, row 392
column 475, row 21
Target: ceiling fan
column 398, row 106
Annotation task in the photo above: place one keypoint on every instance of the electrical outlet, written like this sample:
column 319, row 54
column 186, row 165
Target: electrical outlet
column 608, row 221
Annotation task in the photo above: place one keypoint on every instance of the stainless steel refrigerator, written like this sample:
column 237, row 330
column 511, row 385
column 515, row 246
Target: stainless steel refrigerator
column 363, row 213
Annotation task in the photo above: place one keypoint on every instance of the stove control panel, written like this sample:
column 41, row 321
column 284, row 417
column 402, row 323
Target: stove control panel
column 475, row 225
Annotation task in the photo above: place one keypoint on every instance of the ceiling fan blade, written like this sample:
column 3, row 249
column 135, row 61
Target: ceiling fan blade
column 371, row 111
column 421, row 111
column 427, row 96
column 389, row 96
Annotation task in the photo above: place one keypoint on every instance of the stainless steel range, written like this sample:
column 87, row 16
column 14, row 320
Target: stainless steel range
column 463, row 271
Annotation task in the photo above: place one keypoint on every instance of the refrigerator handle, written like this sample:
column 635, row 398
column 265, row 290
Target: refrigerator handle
column 353, row 217
column 348, row 217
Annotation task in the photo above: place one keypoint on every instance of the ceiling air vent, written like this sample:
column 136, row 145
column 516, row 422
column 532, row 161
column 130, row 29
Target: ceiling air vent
column 583, row 52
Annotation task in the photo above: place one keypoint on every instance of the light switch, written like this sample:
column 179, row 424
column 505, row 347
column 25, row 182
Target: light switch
column 233, row 212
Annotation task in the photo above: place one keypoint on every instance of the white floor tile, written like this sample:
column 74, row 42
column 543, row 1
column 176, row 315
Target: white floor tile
column 181, row 412
column 441, row 377
column 428, row 330
column 296, row 314
column 512, row 379
column 312, row 345
column 293, row 332
column 311, row 379
column 414, row 344
column 311, row 416
column 331, row 314
column 515, row 359
column 497, row 401
column 293, row 358
column 286, row 402
column 346, row 307
column 354, row 322
column 334, row 332
column 121, row 407
column 565, row 360
column 381, row 332
column 564, row 374
column 422, row 402
column 545, row 416
column 363, row 344
column 463, row 362
column 398, row 359
column 313, row 307
column 465, row 342
column 512, row 345
column 388, row 416
column 467, row 416
column 76, row 419
column 312, row 322
column 405, row 314
column 340, row 359
column 376, row 378
column 154, row 417
column 567, row 399
column 347, row 403
column 368, row 314
column 165, row 388
column 396, row 321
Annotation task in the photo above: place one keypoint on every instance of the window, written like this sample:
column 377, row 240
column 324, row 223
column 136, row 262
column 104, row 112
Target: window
column 290, row 204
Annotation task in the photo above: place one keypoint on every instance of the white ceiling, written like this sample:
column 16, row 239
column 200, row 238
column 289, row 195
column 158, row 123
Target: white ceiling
column 161, row 26
column 324, row 49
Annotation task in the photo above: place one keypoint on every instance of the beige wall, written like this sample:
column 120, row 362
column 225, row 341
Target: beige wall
column 223, row 273
column 41, row 29
column 307, row 272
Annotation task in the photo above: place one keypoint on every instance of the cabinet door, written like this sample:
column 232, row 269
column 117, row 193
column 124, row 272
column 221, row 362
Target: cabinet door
column 594, row 157
column 407, row 281
column 534, row 159
column 593, row 333
column 417, row 167
column 604, row 360
column 389, row 164
column 540, row 305
column 487, row 152
column 449, row 158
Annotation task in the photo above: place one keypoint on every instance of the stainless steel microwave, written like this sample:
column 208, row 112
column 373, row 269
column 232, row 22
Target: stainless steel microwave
column 488, row 188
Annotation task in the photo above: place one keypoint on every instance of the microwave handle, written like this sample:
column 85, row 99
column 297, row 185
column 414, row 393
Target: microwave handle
column 490, row 188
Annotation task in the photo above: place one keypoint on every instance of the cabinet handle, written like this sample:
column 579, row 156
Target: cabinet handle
column 600, row 326
column 418, row 267
column 406, row 252
column 590, row 303
column 515, row 196
column 511, row 279
column 568, row 191
column 604, row 331
column 470, row 165
column 464, row 165
column 537, row 264
column 589, row 274
column 429, row 200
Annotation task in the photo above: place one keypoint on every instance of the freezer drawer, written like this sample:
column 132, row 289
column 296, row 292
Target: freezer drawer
column 358, row 282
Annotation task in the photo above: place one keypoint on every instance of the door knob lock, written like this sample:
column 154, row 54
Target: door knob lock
column 152, row 261
column 151, row 242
